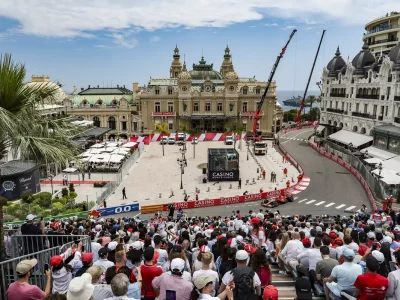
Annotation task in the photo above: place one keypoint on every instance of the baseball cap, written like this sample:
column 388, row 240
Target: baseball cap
column 30, row 217
column 339, row 241
column 387, row 239
column 379, row 256
column 242, row 255
column 24, row 266
column 303, row 288
column 55, row 261
column 371, row 235
column 81, row 228
column 270, row 293
column 177, row 264
column 148, row 253
column 87, row 257
column 348, row 253
column 111, row 246
column 306, row 242
column 102, row 252
column 332, row 235
column 136, row 245
column 201, row 281
column 255, row 221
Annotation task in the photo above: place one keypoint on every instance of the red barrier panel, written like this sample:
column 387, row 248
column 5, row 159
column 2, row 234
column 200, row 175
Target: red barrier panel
column 351, row 169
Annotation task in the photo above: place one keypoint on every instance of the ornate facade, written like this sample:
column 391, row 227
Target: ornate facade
column 205, row 99
column 362, row 94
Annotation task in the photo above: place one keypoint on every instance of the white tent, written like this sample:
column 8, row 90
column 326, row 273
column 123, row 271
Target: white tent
column 373, row 160
column 98, row 145
column 70, row 170
column 116, row 158
column 122, row 151
column 84, row 154
column 100, row 158
column 84, row 159
column 109, row 149
column 111, row 144
column 388, row 176
column 129, row 145
column 94, row 151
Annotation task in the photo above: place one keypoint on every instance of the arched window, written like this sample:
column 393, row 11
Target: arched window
column 96, row 121
column 244, row 90
column 84, row 102
column 99, row 102
column 170, row 90
column 111, row 123
column 157, row 90
column 258, row 90
column 114, row 102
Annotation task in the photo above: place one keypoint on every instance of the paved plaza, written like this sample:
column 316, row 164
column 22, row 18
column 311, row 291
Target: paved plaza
column 155, row 175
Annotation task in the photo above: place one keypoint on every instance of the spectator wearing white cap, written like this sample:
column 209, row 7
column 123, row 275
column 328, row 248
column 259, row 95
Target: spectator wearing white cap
column 33, row 243
column 81, row 288
column 182, row 288
column 242, row 269
column 203, row 288
column 21, row 289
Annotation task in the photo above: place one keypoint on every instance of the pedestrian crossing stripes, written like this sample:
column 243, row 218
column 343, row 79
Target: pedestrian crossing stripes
column 324, row 204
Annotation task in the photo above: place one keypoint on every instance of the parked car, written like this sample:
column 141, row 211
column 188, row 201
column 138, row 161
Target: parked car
column 164, row 140
column 195, row 141
column 171, row 140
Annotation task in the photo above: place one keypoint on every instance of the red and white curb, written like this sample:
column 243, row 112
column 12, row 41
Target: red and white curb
column 302, row 186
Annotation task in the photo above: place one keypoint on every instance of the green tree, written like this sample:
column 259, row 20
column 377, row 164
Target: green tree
column 163, row 130
column 314, row 113
column 310, row 100
column 290, row 115
column 23, row 131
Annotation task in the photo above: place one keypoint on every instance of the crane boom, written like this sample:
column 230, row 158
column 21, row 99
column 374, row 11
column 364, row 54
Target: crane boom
column 302, row 103
column 271, row 76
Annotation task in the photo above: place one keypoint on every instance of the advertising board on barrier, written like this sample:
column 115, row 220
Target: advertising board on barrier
column 227, row 200
column 118, row 209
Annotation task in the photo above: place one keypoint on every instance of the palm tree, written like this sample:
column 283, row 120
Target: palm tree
column 163, row 130
column 310, row 100
column 23, row 131
column 236, row 129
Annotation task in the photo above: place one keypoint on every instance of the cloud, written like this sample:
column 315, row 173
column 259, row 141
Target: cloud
column 102, row 46
column 290, row 27
column 124, row 40
column 252, row 26
column 155, row 39
column 271, row 24
column 76, row 18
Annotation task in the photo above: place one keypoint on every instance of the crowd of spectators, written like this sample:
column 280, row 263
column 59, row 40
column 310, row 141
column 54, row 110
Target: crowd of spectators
column 220, row 258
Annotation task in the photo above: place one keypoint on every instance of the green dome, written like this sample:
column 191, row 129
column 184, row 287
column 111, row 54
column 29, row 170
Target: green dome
column 203, row 71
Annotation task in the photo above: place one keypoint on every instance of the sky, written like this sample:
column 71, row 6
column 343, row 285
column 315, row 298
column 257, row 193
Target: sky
column 109, row 42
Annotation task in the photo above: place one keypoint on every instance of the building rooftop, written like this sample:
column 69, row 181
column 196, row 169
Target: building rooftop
column 388, row 129
column 93, row 133
column 15, row 167
column 106, row 91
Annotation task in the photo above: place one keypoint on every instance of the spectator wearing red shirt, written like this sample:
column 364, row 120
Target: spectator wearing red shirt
column 120, row 261
column 371, row 285
column 149, row 271
column 362, row 247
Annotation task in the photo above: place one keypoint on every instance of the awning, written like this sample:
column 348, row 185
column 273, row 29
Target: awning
column 373, row 160
column 347, row 137
column 392, row 164
column 388, row 176
column 320, row 128
column 378, row 153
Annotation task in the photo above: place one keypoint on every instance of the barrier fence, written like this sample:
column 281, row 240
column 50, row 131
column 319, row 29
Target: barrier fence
column 358, row 165
column 7, row 268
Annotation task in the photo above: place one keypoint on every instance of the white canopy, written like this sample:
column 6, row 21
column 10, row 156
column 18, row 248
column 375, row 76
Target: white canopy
column 388, row 176
column 100, row 158
column 94, row 151
column 378, row 153
column 347, row 137
column 320, row 128
column 392, row 164
column 373, row 160
column 116, row 158
column 84, row 154
column 109, row 149
column 70, row 170
column 112, row 144
column 84, row 159
column 122, row 151
column 98, row 145
column 129, row 145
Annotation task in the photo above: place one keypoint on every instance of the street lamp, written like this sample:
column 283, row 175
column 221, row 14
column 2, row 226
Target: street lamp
column 380, row 168
column 181, row 163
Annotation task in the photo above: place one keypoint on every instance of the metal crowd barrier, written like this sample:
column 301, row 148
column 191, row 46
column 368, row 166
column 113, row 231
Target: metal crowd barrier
column 28, row 244
column 7, row 268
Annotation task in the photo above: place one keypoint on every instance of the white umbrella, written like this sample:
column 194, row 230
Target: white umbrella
column 109, row 149
column 115, row 158
column 70, row 170
column 122, row 151
column 129, row 145
column 99, row 158
column 111, row 144
column 83, row 159
column 84, row 154
column 94, row 151
column 98, row 145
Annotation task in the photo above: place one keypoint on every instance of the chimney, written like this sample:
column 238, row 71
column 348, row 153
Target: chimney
column 98, row 86
column 82, row 89
column 117, row 85
column 89, row 86
column 124, row 85
column 135, row 86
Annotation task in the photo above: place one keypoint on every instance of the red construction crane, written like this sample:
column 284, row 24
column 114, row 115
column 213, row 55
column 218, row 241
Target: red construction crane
column 302, row 103
column 271, row 76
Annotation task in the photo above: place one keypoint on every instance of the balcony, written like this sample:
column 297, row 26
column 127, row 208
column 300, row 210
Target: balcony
column 380, row 29
column 249, row 113
column 361, row 96
column 163, row 114
column 397, row 119
column 337, row 111
column 363, row 115
column 396, row 98
column 337, row 95
column 383, row 41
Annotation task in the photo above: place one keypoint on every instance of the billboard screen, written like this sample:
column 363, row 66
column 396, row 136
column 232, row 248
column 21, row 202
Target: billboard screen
column 223, row 164
column 14, row 187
